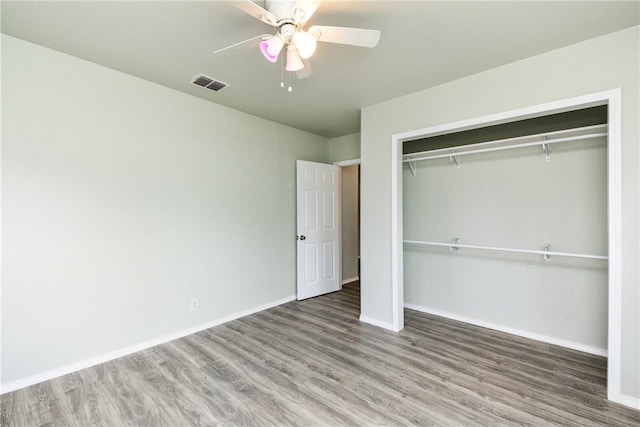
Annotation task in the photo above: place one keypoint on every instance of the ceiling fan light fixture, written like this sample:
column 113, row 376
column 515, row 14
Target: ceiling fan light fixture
column 294, row 62
column 271, row 47
column 305, row 43
column 289, row 17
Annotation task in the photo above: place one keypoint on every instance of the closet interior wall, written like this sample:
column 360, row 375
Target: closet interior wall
column 513, row 199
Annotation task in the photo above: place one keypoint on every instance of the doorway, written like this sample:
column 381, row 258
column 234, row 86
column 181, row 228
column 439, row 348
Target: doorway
column 350, row 231
column 350, row 194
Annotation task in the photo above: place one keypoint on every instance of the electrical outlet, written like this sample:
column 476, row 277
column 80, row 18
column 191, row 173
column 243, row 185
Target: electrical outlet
column 195, row 304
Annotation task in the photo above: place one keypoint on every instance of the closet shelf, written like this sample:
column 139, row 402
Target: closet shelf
column 455, row 246
column 543, row 139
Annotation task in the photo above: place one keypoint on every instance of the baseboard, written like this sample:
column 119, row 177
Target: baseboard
column 631, row 402
column 350, row 280
column 376, row 322
column 513, row 331
column 87, row 363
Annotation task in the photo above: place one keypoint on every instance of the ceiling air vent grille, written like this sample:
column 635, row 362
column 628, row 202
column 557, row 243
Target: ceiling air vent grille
column 209, row 83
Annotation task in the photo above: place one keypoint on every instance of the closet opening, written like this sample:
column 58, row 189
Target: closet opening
column 517, row 215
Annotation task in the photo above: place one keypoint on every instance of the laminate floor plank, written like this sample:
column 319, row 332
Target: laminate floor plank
column 187, row 389
column 313, row 363
column 156, row 382
column 261, row 370
column 236, row 400
column 321, row 386
column 444, row 368
column 382, row 354
column 317, row 363
column 383, row 384
column 421, row 379
column 257, row 381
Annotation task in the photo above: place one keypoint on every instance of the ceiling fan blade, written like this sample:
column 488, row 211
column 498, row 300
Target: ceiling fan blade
column 303, row 9
column 236, row 45
column 346, row 35
column 250, row 8
column 306, row 71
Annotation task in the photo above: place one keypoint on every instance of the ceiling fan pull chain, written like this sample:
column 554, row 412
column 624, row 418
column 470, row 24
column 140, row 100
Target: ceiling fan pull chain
column 290, row 89
column 282, row 72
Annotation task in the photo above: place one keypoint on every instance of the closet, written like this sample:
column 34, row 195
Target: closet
column 506, row 226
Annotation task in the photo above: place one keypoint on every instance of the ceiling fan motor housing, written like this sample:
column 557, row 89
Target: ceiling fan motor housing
column 287, row 28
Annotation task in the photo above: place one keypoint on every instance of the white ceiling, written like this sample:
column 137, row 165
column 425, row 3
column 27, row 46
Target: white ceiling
column 423, row 44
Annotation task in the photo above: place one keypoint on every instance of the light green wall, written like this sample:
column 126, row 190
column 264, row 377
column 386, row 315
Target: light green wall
column 345, row 147
column 122, row 200
column 595, row 65
column 513, row 199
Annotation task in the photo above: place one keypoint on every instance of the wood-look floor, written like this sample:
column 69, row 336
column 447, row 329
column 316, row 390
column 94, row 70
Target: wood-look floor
column 313, row 363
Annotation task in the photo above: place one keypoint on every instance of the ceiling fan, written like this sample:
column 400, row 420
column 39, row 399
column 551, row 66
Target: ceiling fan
column 289, row 18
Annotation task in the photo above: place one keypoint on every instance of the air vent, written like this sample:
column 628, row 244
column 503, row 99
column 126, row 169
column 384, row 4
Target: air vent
column 209, row 83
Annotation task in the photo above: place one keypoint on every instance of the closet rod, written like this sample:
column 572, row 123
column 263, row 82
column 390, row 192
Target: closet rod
column 453, row 245
column 452, row 152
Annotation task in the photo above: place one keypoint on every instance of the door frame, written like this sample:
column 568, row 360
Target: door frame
column 343, row 163
column 611, row 98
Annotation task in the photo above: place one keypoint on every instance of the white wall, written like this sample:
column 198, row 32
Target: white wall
column 595, row 65
column 122, row 200
column 350, row 188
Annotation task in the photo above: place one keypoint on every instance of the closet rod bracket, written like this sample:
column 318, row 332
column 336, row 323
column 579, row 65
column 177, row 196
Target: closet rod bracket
column 547, row 257
column 454, row 248
column 453, row 157
column 546, row 149
column 412, row 168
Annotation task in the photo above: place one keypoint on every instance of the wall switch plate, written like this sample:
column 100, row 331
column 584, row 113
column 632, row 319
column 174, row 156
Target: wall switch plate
column 195, row 304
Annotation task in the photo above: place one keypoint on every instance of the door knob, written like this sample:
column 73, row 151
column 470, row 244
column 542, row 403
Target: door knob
column 302, row 237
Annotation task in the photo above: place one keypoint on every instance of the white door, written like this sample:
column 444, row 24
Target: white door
column 318, row 206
